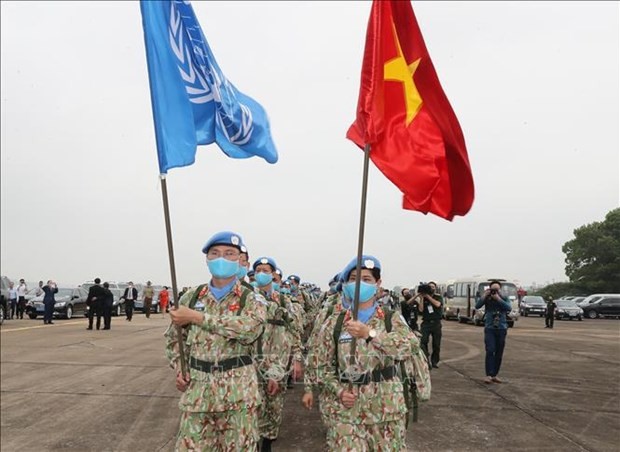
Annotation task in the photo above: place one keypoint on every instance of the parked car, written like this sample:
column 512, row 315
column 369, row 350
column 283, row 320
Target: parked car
column 577, row 300
column 594, row 298
column 533, row 304
column 69, row 302
column 607, row 306
column 568, row 309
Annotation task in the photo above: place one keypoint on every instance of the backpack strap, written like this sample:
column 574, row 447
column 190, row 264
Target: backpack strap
column 337, row 332
column 194, row 299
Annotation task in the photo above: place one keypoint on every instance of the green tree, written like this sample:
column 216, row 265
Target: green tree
column 593, row 256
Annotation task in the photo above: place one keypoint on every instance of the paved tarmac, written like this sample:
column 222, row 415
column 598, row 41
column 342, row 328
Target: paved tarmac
column 65, row 388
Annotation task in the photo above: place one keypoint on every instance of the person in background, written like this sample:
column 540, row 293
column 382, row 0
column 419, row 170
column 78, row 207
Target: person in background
column 430, row 308
column 107, row 303
column 21, row 298
column 496, row 306
column 130, row 296
column 39, row 290
column 12, row 299
column 49, row 301
column 550, row 314
column 147, row 295
column 164, row 299
column 94, row 302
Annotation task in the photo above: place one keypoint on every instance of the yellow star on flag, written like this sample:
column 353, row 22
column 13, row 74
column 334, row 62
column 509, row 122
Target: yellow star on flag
column 397, row 70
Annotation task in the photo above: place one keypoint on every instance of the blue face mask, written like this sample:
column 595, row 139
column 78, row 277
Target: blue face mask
column 276, row 286
column 285, row 290
column 242, row 272
column 332, row 289
column 367, row 291
column 254, row 284
column 263, row 278
column 222, row 268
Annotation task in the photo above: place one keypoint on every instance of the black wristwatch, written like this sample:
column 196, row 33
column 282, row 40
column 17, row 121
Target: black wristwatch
column 371, row 335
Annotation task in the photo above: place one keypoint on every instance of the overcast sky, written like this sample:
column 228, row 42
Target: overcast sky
column 534, row 85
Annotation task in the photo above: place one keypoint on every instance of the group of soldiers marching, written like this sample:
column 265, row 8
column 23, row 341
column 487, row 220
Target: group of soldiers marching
column 242, row 341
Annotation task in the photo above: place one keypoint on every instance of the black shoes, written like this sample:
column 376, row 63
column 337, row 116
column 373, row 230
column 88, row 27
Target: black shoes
column 435, row 366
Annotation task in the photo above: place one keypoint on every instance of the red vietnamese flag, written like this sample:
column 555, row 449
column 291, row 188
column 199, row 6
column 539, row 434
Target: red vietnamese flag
column 415, row 138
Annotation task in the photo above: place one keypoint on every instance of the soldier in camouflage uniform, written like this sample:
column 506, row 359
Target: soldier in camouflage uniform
column 274, row 347
column 221, row 320
column 366, row 408
column 333, row 304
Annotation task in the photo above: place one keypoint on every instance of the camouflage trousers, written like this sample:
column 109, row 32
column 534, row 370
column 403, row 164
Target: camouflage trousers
column 385, row 436
column 222, row 431
column 270, row 412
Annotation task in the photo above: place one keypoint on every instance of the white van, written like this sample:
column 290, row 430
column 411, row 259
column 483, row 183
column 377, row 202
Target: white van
column 463, row 304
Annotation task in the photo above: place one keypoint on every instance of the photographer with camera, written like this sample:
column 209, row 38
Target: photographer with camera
column 409, row 308
column 496, row 306
column 430, row 305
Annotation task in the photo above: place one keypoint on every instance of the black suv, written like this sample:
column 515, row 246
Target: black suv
column 605, row 307
column 532, row 304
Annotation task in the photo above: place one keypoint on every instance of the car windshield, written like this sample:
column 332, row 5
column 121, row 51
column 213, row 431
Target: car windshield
column 64, row 293
column 566, row 304
column 534, row 300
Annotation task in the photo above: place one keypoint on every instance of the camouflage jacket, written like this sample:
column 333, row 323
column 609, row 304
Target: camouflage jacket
column 227, row 332
column 310, row 380
column 277, row 342
column 377, row 402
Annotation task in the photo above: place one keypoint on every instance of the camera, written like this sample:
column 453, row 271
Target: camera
column 425, row 289
column 493, row 291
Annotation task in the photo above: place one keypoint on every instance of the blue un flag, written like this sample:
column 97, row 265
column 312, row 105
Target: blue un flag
column 193, row 102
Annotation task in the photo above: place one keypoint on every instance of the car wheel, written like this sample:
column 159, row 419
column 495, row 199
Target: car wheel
column 69, row 312
column 540, row 316
column 580, row 318
column 118, row 310
column 592, row 314
column 526, row 314
column 32, row 316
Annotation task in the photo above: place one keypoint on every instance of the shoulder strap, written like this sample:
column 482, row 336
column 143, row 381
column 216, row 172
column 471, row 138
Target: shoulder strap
column 337, row 332
column 244, row 297
column 194, row 299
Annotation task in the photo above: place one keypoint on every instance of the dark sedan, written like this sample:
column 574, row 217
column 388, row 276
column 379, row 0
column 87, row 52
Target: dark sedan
column 568, row 309
column 533, row 305
column 69, row 302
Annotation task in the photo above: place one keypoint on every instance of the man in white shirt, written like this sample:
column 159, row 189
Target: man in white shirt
column 21, row 298
column 12, row 299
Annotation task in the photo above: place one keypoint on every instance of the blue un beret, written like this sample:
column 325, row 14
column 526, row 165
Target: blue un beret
column 265, row 260
column 279, row 272
column 368, row 262
column 295, row 278
column 224, row 238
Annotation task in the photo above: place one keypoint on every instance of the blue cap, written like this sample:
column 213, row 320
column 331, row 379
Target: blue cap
column 295, row 278
column 265, row 260
column 250, row 273
column 335, row 279
column 224, row 238
column 279, row 272
column 244, row 250
column 368, row 262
